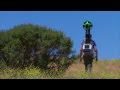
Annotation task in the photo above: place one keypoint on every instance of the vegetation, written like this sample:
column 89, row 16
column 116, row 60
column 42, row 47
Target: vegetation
column 101, row 70
column 27, row 44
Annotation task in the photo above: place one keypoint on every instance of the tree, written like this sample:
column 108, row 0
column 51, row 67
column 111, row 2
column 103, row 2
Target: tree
column 28, row 44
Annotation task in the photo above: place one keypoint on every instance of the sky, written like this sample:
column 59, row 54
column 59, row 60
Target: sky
column 105, row 31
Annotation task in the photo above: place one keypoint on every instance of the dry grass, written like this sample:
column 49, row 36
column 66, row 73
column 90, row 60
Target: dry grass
column 101, row 70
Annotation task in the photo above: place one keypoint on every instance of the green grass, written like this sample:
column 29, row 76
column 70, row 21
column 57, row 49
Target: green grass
column 101, row 70
column 30, row 72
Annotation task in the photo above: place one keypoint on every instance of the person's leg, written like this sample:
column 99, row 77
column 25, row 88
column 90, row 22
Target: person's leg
column 86, row 69
column 89, row 67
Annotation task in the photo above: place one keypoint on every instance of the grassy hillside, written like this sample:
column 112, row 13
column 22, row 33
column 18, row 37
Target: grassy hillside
column 101, row 70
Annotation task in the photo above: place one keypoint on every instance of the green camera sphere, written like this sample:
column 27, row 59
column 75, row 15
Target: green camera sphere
column 87, row 25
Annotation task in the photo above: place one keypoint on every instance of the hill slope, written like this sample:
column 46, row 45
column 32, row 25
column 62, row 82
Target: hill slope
column 101, row 70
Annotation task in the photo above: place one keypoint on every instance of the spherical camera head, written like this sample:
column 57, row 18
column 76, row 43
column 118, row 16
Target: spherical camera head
column 87, row 25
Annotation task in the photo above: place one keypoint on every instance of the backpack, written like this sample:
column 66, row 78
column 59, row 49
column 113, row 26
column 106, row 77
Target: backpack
column 88, row 48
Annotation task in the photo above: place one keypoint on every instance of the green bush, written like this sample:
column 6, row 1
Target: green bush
column 28, row 44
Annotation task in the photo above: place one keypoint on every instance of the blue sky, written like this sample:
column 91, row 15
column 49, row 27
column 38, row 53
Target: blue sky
column 105, row 31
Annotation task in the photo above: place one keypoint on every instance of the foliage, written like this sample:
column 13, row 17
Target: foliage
column 28, row 44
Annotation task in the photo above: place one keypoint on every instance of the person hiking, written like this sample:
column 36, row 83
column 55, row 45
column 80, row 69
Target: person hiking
column 88, row 59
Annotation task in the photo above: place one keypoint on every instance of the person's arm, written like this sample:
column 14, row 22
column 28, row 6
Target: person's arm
column 81, row 51
column 96, row 53
column 96, row 50
column 81, row 54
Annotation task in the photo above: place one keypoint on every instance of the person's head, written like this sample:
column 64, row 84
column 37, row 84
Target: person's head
column 90, row 36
